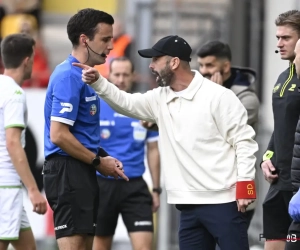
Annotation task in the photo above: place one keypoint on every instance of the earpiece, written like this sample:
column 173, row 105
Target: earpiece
column 89, row 48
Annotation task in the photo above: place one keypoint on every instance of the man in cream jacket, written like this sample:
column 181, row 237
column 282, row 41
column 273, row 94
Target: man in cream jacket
column 207, row 148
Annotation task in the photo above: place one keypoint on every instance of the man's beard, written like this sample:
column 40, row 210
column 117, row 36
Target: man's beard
column 165, row 77
column 208, row 75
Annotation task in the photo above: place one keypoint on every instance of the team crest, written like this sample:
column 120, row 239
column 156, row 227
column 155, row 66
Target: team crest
column 277, row 86
column 93, row 109
column 105, row 133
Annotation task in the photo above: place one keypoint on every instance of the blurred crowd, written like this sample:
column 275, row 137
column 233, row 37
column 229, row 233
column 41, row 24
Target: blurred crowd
column 18, row 16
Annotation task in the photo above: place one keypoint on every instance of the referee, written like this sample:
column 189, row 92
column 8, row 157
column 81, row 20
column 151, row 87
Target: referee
column 72, row 134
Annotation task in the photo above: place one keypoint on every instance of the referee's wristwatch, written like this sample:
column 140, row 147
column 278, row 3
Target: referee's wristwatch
column 157, row 190
column 96, row 161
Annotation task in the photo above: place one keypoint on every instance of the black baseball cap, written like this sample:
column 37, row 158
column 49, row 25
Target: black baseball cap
column 174, row 46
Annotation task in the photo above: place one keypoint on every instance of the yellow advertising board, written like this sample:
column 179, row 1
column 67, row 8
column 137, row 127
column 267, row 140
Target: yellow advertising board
column 72, row 6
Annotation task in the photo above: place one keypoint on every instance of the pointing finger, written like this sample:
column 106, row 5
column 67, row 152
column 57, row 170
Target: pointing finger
column 91, row 70
column 80, row 65
column 122, row 175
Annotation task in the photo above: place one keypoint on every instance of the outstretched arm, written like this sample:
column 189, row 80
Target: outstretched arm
column 139, row 106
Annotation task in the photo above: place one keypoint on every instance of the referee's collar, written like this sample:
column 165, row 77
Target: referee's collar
column 72, row 59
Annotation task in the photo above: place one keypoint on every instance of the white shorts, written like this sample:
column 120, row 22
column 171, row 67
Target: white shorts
column 13, row 217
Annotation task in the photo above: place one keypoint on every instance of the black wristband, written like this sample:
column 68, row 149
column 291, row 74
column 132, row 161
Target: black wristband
column 157, row 190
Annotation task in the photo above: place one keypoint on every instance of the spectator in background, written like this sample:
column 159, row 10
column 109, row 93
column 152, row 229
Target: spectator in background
column 41, row 70
column 122, row 44
column 31, row 7
column 27, row 24
column 214, row 60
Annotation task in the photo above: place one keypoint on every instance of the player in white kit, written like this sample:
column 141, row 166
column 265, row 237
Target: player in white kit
column 17, row 53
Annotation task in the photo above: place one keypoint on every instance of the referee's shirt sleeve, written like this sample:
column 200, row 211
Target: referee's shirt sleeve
column 152, row 136
column 66, row 99
column 14, row 110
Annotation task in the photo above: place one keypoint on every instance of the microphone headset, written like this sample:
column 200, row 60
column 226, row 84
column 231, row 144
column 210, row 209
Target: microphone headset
column 89, row 48
column 102, row 54
column 276, row 51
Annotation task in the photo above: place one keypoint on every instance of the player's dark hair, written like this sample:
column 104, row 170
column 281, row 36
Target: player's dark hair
column 15, row 48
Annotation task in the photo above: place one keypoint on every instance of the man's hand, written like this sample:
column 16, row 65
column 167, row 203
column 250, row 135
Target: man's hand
column 267, row 168
column 217, row 78
column 89, row 74
column 155, row 201
column 149, row 125
column 110, row 166
column 38, row 201
column 294, row 207
column 243, row 204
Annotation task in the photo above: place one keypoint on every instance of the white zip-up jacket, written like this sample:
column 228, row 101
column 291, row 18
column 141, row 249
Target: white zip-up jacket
column 205, row 143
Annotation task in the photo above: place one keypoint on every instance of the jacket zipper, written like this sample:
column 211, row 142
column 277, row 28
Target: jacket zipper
column 287, row 80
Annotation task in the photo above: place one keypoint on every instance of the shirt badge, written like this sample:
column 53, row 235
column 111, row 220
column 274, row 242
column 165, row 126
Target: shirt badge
column 105, row 133
column 93, row 109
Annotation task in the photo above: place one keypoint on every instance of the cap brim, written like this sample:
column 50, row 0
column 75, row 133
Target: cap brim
column 149, row 53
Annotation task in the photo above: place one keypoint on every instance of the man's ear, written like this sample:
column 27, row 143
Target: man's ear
column 83, row 39
column 226, row 66
column 25, row 61
column 175, row 62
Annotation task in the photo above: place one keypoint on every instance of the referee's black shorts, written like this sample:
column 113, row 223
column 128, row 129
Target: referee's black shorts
column 276, row 219
column 131, row 199
column 72, row 192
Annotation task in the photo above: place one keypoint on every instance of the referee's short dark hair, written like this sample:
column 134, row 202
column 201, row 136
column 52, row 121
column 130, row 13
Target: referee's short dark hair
column 85, row 21
column 215, row 48
column 15, row 48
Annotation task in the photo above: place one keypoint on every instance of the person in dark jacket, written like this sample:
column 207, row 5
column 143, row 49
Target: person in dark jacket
column 214, row 60
column 277, row 160
column 293, row 238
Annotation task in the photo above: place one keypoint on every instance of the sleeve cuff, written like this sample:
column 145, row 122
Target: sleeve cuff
column 152, row 139
column 100, row 85
column 62, row 120
column 15, row 126
column 268, row 155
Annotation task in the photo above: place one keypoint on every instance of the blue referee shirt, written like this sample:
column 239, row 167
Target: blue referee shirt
column 125, row 139
column 71, row 101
